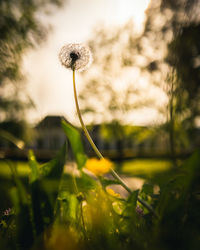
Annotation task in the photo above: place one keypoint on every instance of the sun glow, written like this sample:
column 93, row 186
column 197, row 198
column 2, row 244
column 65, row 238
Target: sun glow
column 42, row 67
column 132, row 9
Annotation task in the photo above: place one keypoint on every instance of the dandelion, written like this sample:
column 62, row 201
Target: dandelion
column 75, row 56
column 78, row 57
column 98, row 167
column 111, row 192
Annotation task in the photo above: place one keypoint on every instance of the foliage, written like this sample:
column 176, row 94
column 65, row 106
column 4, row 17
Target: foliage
column 56, row 210
column 175, row 39
column 20, row 29
column 184, row 56
column 74, row 138
column 165, row 55
column 115, row 73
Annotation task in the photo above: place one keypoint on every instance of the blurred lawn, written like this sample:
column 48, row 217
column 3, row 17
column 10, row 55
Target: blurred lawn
column 145, row 167
column 132, row 167
column 22, row 168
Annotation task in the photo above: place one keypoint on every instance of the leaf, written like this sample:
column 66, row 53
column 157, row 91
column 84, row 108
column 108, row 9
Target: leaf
column 130, row 209
column 118, row 207
column 11, row 138
column 21, row 203
column 22, row 194
column 36, row 193
column 34, row 166
column 86, row 183
column 76, row 144
column 106, row 182
column 54, row 168
column 68, row 206
column 132, row 199
column 44, row 185
column 177, row 191
column 147, row 189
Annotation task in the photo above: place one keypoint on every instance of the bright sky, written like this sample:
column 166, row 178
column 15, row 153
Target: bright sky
column 50, row 84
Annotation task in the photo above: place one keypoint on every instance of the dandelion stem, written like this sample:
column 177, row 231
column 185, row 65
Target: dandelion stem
column 114, row 174
column 82, row 123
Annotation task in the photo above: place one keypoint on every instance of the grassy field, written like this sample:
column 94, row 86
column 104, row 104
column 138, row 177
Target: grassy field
column 22, row 168
column 145, row 166
column 131, row 167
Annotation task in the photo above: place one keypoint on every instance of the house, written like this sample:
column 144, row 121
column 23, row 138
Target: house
column 112, row 143
column 138, row 142
column 49, row 134
column 50, row 137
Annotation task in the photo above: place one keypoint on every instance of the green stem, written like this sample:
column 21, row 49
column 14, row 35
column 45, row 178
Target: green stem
column 114, row 174
column 81, row 121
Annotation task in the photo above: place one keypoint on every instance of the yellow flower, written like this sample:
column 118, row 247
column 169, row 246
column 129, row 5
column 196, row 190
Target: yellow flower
column 98, row 167
column 112, row 193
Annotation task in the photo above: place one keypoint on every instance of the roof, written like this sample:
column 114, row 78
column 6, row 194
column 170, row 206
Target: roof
column 51, row 122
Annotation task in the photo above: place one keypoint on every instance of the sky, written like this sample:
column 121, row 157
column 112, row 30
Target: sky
column 49, row 84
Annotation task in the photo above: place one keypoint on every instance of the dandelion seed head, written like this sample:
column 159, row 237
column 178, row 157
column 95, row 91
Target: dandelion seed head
column 75, row 56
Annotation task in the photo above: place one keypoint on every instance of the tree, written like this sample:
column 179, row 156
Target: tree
column 184, row 56
column 174, row 25
column 113, row 89
column 20, row 29
column 120, row 55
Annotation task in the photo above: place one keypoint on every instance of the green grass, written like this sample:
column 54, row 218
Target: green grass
column 22, row 168
column 131, row 167
column 145, row 167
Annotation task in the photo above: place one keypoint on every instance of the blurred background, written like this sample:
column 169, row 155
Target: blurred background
column 139, row 98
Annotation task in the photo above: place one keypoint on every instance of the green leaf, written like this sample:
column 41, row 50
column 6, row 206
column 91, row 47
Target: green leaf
column 44, row 186
column 54, row 168
column 22, row 194
column 118, row 207
column 147, row 189
column 86, row 183
column 106, row 182
column 130, row 209
column 68, row 207
column 76, row 144
column 132, row 199
column 21, row 203
column 11, row 138
column 34, row 166
column 176, row 191
column 36, row 194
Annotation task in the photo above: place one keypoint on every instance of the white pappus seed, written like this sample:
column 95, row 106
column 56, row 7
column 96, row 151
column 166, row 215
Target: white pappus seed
column 75, row 56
